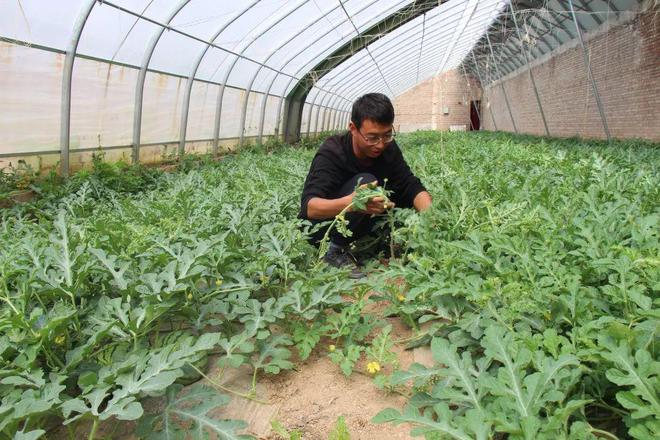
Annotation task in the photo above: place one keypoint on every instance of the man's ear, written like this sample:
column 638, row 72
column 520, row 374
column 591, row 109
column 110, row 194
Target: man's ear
column 351, row 126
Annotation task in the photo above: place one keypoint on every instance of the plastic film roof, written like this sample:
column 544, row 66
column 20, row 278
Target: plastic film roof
column 527, row 30
column 432, row 43
column 266, row 39
column 136, row 73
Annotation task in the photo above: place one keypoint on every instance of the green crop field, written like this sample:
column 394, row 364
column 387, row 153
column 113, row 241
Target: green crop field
column 534, row 278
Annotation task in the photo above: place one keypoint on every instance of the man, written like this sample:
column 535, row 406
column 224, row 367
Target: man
column 366, row 153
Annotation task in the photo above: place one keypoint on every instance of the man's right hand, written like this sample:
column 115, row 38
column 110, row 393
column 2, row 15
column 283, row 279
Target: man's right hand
column 375, row 205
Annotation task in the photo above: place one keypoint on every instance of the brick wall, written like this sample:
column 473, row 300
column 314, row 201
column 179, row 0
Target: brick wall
column 422, row 107
column 625, row 61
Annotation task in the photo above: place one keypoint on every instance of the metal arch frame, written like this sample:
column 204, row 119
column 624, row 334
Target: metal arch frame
column 512, row 61
column 164, row 26
column 284, row 65
column 572, row 8
column 187, row 35
column 430, row 62
column 142, row 76
column 529, row 70
column 310, row 109
column 323, row 104
column 587, row 61
column 67, row 79
column 194, row 38
column 333, row 105
column 546, row 27
column 413, row 35
column 483, row 88
column 221, row 93
column 540, row 16
column 469, row 9
column 254, row 77
column 405, row 67
column 421, row 45
column 318, row 110
column 366, row 47
column 303, row 66
column 467, row 44
column 296, row 98
column 191, row 79
column 441, row 37
column 506, row 98
column 66, row 105
column 547, row 30
column 357, row 69
column 467, row 81
column 309, row 117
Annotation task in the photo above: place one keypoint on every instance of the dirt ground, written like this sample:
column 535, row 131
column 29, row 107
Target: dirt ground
column 311, row 399
column 308, row 399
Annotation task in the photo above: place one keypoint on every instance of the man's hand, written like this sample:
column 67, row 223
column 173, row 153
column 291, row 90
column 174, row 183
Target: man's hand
column 375, row 205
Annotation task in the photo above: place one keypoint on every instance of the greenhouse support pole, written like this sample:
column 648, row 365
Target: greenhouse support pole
column 327, row 123
column 142, row 76
column 309, row 116
column 335, row 109
column 67, row 79
column 356, row 73
column 529, row 69
column 254, row 77
column 297, row 96
column 193, row 72
column 481, row 81
column 268, row 26
column 587, row 62
column 467, row 81
column 322, row 105
column 506, row 97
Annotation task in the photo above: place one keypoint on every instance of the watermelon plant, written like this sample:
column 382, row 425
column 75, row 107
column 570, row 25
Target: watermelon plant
column 534, row 278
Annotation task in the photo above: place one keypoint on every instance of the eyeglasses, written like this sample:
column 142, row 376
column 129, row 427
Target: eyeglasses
column 374, row 139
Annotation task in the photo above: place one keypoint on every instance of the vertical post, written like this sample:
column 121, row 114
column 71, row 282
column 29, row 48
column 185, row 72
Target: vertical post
column 476, row 66
column 587, row 61
column 142, row 76
column 529, row 70
column 467, row 80
column 506, row 97
column 67, row 78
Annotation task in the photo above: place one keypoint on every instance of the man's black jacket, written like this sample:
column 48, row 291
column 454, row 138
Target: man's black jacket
column 335, row 163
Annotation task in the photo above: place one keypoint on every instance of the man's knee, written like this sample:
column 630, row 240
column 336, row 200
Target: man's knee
column 361, row 179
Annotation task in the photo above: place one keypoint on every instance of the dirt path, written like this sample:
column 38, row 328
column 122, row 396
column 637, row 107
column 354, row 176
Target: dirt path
column 308, row 399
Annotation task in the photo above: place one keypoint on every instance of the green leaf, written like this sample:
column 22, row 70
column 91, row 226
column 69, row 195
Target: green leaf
column 641, row 377
column 418, row 373
column 31, row 435
column 464, row 375
column 340, row 430
column 427, row 425
column 271, row 357
column 191, row 413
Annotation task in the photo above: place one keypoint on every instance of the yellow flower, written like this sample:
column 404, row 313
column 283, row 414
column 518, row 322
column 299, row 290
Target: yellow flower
column 59, row 340
column 218, row 282
column 331, row 347
column 190, row 297
column 401, row 297
column 373, row 367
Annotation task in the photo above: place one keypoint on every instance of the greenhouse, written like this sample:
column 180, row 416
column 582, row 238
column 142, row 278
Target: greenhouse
column 350, row 219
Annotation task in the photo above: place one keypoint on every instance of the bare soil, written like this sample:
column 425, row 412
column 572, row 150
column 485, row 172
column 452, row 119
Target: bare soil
column 308, row 399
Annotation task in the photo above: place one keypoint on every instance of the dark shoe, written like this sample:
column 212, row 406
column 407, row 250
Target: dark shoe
column 339, row 257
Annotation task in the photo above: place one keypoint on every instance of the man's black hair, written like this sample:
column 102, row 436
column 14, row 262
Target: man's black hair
column 374, row 106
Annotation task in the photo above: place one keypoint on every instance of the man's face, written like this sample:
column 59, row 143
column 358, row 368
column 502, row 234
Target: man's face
column 364, row 138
